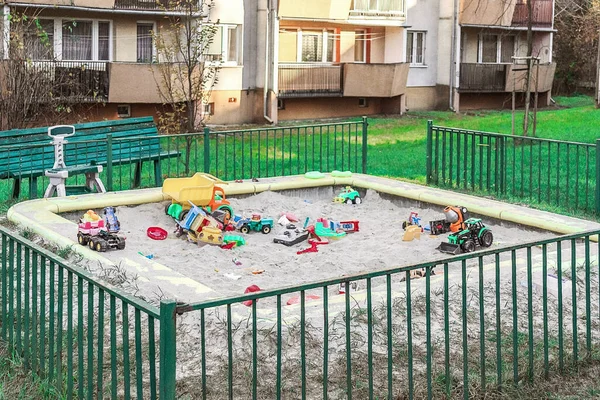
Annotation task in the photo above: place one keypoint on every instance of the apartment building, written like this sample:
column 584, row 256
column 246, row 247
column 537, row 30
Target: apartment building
column 304, row 59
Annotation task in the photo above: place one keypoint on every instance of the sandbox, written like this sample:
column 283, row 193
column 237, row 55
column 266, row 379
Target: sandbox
column 182, row 270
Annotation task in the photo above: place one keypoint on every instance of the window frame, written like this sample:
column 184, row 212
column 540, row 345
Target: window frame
column 225, row 45
column 362, row 32
column 325, row 47
column 413, row 54
column 58, row 38
column 499, row 37
column 154, row 54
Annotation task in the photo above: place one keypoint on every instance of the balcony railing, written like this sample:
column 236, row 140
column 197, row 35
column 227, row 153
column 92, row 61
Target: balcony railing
column 310, row 80
column 482, row 77
column 149, row 5
column 377, row 8
column 71, row 81
column 541, row 10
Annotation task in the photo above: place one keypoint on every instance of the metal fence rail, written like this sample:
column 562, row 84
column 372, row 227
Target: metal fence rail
column 238, row 154
column 541, row 171
column 89, row 340
column 498, row 319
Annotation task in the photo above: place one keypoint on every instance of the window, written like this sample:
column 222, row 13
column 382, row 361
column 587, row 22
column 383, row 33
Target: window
column 85, row 40
column 360, row 40
column 145, row 47
column 415, row 48
column 39, row 39
column 208, row 109
column 224, row 46
column 316, row 46
column 280, row 104
column 124, row 111
column 362, row 102
column 496, row 48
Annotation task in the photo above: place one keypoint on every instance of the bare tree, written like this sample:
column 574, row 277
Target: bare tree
column 186, row 71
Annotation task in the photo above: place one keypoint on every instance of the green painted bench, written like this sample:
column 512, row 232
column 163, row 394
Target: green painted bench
column 28, row 153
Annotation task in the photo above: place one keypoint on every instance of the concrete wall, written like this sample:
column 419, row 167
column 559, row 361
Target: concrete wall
column 384, row 80
column 444, row 42
column 487, row 12
column 483, row 101
column 288, row 45
column 395, row 47
column 318, row 9
column 427, row 98
column 378, row 45
column 311, row 108
column 422, row 15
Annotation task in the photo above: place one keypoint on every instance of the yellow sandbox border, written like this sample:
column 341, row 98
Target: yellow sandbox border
column 40, row 216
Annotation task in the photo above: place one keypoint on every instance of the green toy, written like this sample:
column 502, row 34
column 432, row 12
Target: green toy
column 238, row 240
column 256, row 223
column 314, row 175
column 348, row 196
column 321, row 231
column 341, row 174
column 475, row 234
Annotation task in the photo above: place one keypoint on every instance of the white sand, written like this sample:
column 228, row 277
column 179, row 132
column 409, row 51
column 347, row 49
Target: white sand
column 378, row 244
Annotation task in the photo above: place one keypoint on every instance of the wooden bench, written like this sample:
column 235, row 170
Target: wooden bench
column 28, row 153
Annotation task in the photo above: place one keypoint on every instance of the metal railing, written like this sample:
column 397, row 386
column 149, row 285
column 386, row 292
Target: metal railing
column 542, row 13
column 494, row 320
column 73, row 81
column 240, row 154
column 83, row 336
column 542, row 171
column 378, row 8
column 482, row 77
column 150, row 5
column 310, row 80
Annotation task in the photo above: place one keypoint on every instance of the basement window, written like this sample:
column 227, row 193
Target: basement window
column 362, row 102
column 124, row 111
column 280, row 104
column 208, row 109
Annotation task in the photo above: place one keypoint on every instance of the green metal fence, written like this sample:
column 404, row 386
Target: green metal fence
column 230, row 155
column 88, row 339
column 476, row 323
column 541, row 171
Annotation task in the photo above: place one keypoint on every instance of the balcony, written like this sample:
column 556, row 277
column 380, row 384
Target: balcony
column 350, row 80
column 314, row 9
column 366, row 9
column 482, row 77
column 487, row 78
column 542, row 13
column 70, row 81
column 155, row 5
column 310, row 80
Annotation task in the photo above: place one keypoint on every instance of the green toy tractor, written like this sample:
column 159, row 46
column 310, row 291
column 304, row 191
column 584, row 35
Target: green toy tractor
column 348, row 196
column 475, row 234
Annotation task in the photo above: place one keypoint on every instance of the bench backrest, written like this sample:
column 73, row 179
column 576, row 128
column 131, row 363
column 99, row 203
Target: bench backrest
column 27, row 152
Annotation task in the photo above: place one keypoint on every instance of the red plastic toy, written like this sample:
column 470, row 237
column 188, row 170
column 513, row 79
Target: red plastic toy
column 156, row 233
column 313, row 246
column 250, row 289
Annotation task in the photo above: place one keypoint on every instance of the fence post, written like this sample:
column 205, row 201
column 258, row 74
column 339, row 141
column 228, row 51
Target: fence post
column 597, row 176
column 168, row 350
column 206, row 150
column 365, row 125
column 109, row 162
column 429, row 151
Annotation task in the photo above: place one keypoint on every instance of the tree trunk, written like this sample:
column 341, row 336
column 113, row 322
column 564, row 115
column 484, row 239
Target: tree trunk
column 529, row 68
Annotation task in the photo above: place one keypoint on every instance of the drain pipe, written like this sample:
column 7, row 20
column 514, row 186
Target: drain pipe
column 453, row 53
column 266, row 84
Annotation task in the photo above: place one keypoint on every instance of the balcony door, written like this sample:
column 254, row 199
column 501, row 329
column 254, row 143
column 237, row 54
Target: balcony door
column 496, row 49
column 316, row 46
column 145, row 44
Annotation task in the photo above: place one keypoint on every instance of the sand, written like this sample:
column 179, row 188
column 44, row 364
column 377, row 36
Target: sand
column 377, row 245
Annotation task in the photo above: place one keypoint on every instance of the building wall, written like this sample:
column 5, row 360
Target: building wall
column 422, row 15
column 313, row 108
column 427, row 98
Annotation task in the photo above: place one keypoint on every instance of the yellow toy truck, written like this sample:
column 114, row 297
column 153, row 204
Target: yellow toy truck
column 201, row 190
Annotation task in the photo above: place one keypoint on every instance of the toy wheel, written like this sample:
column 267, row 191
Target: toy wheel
column 245, row 229
column 486, row 239
column 121, row 244
column 227, row 215
column 357, row 200
column 468, row 246
column 404, row 224
column 183, row 215
column 81, row 239
column 99, row 246
column 167, row 208
column 92, row 244
column 266, row 229
column 349, row 201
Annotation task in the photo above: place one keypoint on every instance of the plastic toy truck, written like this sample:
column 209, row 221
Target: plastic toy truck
column 348, row 196
column 200, row 189
column 200, row 226
column 256, row 223
column 92, row 232
column 475, row 234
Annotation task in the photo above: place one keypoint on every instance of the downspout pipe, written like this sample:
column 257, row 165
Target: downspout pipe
column 267, row 67
column 453, row 55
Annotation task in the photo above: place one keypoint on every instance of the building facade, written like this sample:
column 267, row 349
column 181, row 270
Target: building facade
column 304, row 59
